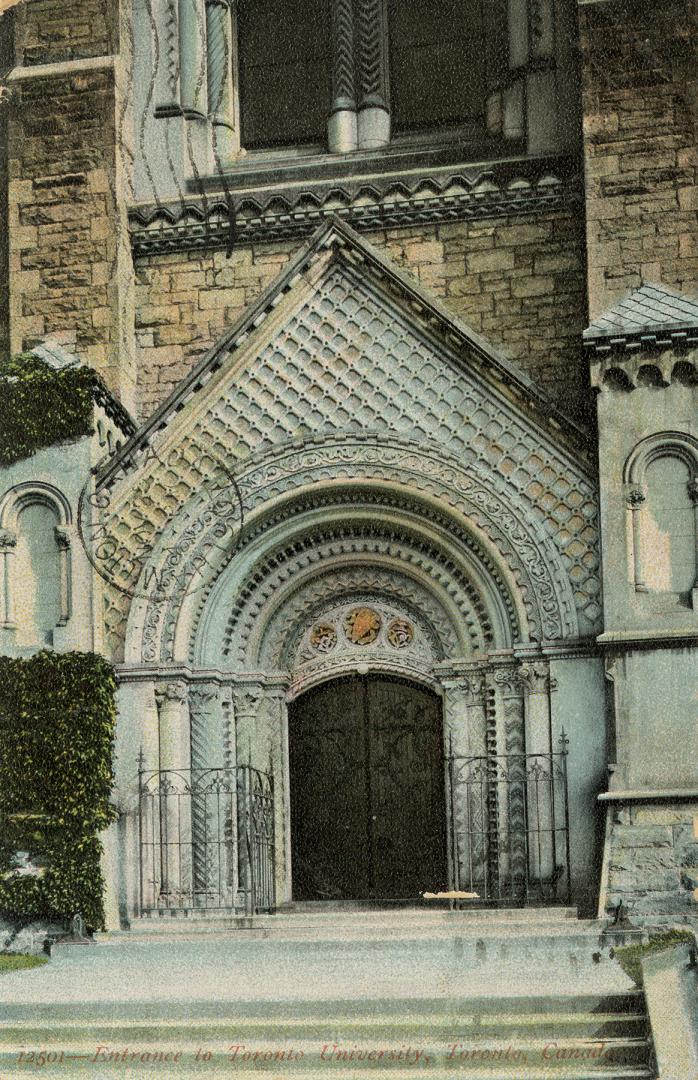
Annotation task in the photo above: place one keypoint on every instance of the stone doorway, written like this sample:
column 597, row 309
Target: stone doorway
column 368, row 818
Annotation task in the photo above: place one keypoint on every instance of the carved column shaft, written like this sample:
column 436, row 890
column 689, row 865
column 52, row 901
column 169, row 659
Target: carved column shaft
column 372, row 73
column 635, row 500
column 222, row 78
column 8, row 543
column 62, row 536
column 206, row 823
column 342, row 122
column 192, row 60
column 175, row 807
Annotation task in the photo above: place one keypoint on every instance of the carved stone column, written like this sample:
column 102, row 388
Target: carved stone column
column 62, row 535
column 247, row 699
column 223, row 106
column 175, row 745
column 342, row 130
column 8, row 543
column 465, row 727
column 539, row 684
column 512, row 791
column 192, row 60
column 210, row 802
column 372, row 74
column 635, row 499
column 175, row 801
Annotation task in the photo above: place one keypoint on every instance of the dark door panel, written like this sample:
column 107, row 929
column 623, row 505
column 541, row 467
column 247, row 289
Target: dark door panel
column 367, row 791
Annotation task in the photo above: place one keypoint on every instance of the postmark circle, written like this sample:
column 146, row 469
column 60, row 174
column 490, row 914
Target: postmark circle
column 135, row 558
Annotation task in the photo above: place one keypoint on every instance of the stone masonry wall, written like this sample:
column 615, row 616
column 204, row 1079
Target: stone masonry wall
column 653, row 863
column 518, row 281
column 640, row 79
column 69, row 255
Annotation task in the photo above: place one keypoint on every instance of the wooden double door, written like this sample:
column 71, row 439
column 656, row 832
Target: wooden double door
column 367, row 791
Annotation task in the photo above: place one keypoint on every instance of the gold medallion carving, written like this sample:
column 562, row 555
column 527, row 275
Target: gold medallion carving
column 362, row 626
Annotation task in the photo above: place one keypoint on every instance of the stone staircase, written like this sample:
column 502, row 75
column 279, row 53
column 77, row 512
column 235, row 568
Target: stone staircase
column 515, row 995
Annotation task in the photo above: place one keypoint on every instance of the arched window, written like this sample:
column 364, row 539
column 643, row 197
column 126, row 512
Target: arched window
column 35, row 563
column 661, row 478
column 347, row 73
column 37, row 578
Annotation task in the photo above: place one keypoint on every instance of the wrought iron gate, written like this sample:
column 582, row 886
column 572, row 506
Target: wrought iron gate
column 206, row 839
column 509, row 827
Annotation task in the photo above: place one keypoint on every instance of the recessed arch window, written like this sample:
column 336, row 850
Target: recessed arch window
column 37, row 575
column 669, row 531
column 661, row 477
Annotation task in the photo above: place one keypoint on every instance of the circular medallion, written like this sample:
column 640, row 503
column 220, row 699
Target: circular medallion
column 362, row 626
column 400, row 633
column 323, row 637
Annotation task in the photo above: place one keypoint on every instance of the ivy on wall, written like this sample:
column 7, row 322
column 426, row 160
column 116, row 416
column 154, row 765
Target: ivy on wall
column 57, row 718
column 41, row 405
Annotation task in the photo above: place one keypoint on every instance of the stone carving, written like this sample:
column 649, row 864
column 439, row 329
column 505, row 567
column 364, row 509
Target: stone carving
column 343, row 92
column 8, row 539
column 635, row 497
column 441, row 195
column 283, row 570
column 400, row 633
column 62, row 537
column 350, row 366
column 171, row 692
column 323, row 637
column 362, row 626
column 380, row 586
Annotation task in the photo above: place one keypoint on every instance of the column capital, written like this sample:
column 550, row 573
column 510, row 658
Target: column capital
column 62, row 537
column 173, row 691
column 536, row 677
column 8, row 539
column 635, row 495
column 201, row 695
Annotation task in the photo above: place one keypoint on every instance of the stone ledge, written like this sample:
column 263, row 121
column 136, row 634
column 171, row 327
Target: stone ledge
column 63, row 67
column 687, row 794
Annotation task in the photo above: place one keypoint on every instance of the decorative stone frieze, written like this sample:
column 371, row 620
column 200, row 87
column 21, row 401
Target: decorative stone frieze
column 526, row 186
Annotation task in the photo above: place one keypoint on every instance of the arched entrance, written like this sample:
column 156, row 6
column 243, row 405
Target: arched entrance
column 367, row 790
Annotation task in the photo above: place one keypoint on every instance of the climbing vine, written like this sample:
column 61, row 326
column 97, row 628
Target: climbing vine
column 41, row 405
column 57, row 717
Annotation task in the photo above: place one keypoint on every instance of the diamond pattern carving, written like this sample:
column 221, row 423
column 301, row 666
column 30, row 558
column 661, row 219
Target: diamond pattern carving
column 351, row 364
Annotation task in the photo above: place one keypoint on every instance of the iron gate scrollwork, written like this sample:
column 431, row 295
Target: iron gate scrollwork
column 521, row 853
column 206, row 839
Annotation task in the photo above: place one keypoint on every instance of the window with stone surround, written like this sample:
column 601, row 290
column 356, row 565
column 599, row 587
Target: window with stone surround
column 662, row 499
column 343, row 75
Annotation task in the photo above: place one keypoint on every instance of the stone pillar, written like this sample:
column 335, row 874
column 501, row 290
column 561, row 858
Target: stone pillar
column 536, row 678
column 62, row 535
column 277, row 727
column 512, row 792
column 207, row 824
column 8, row 543
column 175, row 799
column 465, row 727
column 247, row 699
column 372, row 74
column 192, row 60
column 342, row 125
column 223, row 105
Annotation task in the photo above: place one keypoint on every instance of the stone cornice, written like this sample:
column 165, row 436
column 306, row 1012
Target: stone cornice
column 234, row 216
column 644, row 341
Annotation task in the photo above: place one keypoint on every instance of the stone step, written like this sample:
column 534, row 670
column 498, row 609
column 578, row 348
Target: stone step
column 321, row 917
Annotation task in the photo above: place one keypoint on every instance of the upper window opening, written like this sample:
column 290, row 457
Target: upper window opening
column 284, row 57
column 670, row 541
column 437, row 63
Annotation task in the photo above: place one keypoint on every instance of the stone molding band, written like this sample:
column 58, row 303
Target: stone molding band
column 498, row 189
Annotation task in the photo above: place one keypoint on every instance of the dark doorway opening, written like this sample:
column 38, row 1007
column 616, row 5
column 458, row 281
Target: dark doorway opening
column 367, row 791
